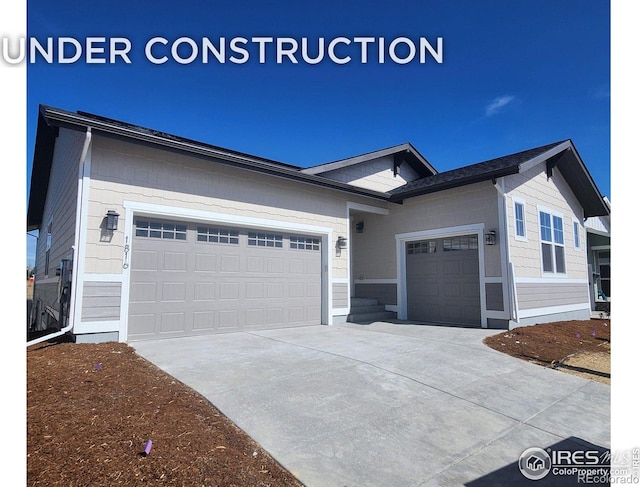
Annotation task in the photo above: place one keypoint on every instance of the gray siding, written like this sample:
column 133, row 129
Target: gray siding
column 101, row 301
column 340, row 295
column 60, row 211
column 533, row 295
column 385, row 293
column 493, row 293
column 60, row 207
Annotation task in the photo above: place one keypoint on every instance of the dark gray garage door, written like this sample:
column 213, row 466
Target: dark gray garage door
column 194, row 279
column 443, row 283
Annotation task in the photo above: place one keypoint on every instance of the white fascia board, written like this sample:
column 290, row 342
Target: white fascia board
column 544, row 156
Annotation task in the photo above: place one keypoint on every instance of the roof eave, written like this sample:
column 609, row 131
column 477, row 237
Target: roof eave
column 490, row 176
column 41, row 167
column 75, row 121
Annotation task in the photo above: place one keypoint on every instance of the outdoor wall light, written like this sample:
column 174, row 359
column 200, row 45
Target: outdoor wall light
column 341, row 243
column 490, row 237
column 360, row 227
column 112, row 220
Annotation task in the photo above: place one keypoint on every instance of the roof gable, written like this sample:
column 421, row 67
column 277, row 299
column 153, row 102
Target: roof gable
column 561, row 155
column 402, row 154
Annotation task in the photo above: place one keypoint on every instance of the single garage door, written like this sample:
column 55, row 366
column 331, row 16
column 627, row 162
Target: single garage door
column 443, row 280
column 194, row 279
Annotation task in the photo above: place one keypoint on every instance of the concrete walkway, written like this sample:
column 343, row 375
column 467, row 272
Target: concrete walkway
column 389, row 404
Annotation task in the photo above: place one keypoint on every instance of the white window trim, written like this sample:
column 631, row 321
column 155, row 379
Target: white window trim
column 552, row 213
column 519, row 201
column 576, row 224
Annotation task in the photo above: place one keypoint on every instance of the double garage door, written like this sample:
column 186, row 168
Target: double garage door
column 194, row 279
column 443, row 283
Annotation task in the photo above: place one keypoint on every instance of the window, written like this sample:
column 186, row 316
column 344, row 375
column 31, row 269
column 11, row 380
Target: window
column 469, row 242
column 552, row 243
column 265, row 240
column 217, row 235
column 304, row 243
column 47, row 254
column 519, row 220
column 170, row 231
column 576, row 235
column 428, row 247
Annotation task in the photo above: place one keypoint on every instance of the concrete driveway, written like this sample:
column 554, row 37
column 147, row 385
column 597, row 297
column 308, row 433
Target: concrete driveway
column 389, row 404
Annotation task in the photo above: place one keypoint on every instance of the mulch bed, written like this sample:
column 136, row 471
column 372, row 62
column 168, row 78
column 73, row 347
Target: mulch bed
column 92, row 409
column 556, row 344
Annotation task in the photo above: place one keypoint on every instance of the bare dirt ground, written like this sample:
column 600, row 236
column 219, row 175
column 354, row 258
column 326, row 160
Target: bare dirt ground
column 577, row 347
column 93, row 408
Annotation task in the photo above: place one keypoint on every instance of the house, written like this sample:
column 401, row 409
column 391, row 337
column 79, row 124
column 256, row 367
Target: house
column 143, row 234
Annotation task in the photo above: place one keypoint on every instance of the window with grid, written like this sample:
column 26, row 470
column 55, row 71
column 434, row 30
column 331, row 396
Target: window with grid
column 428, row 247
column 304, row 243
column 519, row 219
column 576, row 235
column 265, row 240
column 552, row 243
column 155, row 229
column 217, row 235
column 469, row 242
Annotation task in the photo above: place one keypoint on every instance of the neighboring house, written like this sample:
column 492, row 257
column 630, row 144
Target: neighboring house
column 211, row 240
column 599, row 258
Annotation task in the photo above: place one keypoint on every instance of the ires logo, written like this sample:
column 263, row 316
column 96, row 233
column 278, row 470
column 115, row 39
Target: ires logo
column 536, row 463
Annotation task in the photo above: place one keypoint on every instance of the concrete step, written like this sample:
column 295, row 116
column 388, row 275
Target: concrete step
column 371, row 317
column 366, row 309
column 355, row 302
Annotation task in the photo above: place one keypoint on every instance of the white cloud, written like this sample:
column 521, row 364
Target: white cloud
column 498, row 104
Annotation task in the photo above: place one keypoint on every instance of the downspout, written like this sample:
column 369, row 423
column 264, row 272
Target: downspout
column 74, row 274
column 513, row 306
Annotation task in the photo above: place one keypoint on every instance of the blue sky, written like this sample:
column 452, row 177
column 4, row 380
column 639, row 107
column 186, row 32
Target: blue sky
column 515, row 75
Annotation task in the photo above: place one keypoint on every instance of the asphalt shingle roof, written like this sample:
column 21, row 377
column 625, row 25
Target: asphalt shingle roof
column 474, row 173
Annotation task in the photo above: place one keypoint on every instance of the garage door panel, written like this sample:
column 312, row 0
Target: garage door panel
column 275, row 290
column 174, row 291
column 254, row 317
column 143, row 324
column 229, row 290
column 451, row 268
column 204, row 291
column 143, row 292
column 229, row 263
column 443, row 282
column 172, row 322
column 229, row 319
column 206, row 263
column 189, row 286
column 145, row 260
column 296, row 266
column 275, row 265
column 204, row 320
column 255, row 264
column 174, row 261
